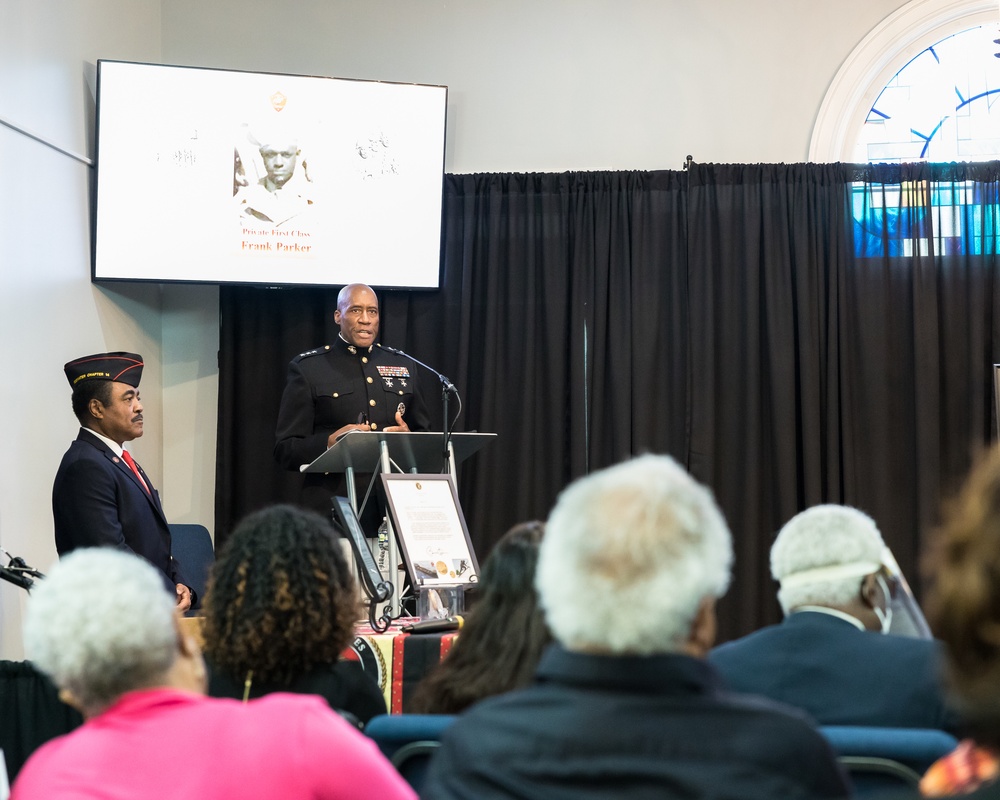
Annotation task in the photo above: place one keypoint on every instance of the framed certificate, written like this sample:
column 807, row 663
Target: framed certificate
column 432, row 533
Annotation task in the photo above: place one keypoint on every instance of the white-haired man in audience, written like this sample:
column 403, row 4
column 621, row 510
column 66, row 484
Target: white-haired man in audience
column 829, row 656
column 624, row 705
column 149, row 731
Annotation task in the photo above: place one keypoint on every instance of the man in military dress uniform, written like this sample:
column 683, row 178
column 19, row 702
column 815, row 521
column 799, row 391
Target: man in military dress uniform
column 351, row 385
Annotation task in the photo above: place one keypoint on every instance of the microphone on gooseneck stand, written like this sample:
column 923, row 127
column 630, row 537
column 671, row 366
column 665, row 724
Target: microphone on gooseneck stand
column 447, row 387
column 446, row 384
column 435, row 625
column 16, row 578
column 18, row 572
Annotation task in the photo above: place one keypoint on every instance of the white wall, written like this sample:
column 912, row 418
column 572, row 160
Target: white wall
column 553, row 85
column 190, row 402
column 49, row 310
column 546, row 85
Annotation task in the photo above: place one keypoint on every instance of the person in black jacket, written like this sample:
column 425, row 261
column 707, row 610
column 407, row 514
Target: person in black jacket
column 279, row 611
column 353, row 384
column 623, row 704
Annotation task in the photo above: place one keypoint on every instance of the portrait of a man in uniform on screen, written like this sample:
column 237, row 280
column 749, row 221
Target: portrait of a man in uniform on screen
column 271, row 182
column 283, row 193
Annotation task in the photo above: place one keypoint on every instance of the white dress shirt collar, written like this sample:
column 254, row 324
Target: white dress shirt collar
column 115, row 447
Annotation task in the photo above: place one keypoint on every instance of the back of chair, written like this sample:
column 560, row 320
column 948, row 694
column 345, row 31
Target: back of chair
column 192, row 548
column 409, row 741
column 877, row 759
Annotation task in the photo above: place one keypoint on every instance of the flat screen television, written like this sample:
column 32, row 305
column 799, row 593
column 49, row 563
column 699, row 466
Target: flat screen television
column 221, row 176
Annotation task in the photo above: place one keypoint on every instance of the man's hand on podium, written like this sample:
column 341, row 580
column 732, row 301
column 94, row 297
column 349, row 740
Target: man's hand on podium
column 400, row 425
column 363, row 425
column 337, row 434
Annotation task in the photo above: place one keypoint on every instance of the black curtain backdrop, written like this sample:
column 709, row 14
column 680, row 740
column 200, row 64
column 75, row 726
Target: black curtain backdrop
column 719, row 315
column 32, row 713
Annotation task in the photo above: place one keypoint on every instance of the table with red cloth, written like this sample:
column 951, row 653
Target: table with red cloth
column 397, row 660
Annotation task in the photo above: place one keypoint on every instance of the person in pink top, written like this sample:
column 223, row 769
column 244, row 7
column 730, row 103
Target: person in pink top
column 103, row 628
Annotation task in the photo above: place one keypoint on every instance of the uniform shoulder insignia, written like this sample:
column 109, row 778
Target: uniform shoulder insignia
column 314, row 352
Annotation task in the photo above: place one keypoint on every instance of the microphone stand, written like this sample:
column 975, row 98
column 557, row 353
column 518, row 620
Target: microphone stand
column 15, row 577
column 18, row 572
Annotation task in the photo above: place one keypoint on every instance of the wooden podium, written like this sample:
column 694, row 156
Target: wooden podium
column 375, row 452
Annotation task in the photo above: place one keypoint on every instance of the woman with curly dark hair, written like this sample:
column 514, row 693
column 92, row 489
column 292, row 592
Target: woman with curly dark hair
column 279, row 609
column 963, row 608
column 503, row 636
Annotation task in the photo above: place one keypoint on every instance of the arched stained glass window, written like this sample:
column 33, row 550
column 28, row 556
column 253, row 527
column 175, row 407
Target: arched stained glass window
column 943, row 105
column 924, row 86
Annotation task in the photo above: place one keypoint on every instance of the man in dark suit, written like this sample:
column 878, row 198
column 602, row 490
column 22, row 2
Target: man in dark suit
column 101, row 497
column 831, row 655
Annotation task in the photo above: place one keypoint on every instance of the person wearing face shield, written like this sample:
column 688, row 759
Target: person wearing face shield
column 839, row 654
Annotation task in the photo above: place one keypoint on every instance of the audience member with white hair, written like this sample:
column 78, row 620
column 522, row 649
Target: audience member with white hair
column 623, row 704
column 149, row 731
column 830, row 656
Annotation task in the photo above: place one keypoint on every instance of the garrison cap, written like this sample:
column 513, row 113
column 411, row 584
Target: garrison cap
column 118, row 366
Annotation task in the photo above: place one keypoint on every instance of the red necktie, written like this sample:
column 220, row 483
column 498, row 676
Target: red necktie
column 135, row 469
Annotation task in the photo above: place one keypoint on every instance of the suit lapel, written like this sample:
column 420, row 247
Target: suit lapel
column 152, row 495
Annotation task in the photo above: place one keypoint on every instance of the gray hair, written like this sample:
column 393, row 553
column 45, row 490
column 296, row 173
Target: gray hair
column 821, row 555
column 628, row 556
column 101, row 624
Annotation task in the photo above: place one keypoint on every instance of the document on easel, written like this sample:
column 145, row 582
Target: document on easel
column 431, row 528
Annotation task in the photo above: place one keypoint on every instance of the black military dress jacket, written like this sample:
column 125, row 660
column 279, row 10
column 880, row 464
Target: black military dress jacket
column 336, row 385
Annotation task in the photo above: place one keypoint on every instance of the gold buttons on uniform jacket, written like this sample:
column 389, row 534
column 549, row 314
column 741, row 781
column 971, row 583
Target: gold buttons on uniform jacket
column 336, row 394
column 364, row 359
column 371, row 402
column 400, row 391
column 374, row 426
column 369, row 380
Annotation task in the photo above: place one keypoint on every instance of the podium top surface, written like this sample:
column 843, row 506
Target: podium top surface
column 411, row 452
